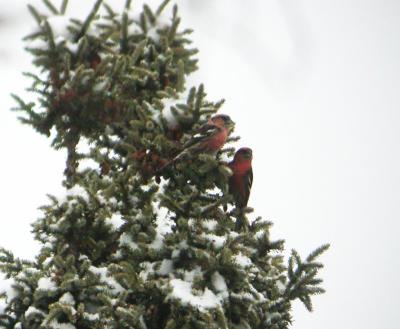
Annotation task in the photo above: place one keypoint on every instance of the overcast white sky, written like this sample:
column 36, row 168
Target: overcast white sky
column 314, row 88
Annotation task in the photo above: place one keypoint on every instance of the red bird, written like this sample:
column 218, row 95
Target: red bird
column 242, row 176
column 209, row 138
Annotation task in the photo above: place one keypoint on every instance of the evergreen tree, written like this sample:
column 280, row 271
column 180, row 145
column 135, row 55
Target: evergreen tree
column 136, row 243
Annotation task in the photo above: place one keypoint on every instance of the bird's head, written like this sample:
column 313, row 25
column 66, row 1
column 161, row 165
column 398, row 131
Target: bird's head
column 223, row 120
column 244, row 153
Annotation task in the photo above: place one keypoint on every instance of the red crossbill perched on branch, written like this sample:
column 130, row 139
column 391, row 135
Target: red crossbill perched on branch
column 242, row 176
column 209, row 138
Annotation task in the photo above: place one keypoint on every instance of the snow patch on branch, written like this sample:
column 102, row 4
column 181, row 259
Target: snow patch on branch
column 183, row 245
column 210, row 224
column 242, row 260
column 281, row 286
column 126, row 240
column 164, row 268
column 57, row 325
column 102, row 272
column 167, row 114
column 75, row 191
column 116, row 221
column 161, row 23
column 87, row 164
column 220, row 285
column 61, row 34
column 183, row 291
column 67, row 298
column 164, row 224
column 91, row 317
column 32, row 310
column 6, row 288
column 46, row 283
column 216, row 240
column 193, row 274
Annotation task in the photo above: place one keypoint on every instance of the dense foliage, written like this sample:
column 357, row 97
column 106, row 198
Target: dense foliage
column 130, row 245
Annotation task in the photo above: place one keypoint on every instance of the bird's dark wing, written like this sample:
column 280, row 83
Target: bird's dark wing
column 248, row 182
column 240, row 188
column 202, row 133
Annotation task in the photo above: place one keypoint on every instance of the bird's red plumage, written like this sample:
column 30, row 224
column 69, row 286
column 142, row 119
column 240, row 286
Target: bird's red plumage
column 241, row 180
column 218, row 140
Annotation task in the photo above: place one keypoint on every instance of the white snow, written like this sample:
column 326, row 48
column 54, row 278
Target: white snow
column 148, row 268
column 243, row 296
column 256, row 293
column 166, row 267
column 46, row 283
column 72, row 46
column 182, row 290
column 86, row 163
column 182, row 246
column 217, row 240
column 7, row 289
column 113, row 201
column 49, row 259
column 272, row 316
column 259, row 234
column 242, row 260
column 195, row 273
column 76, row 190
column 161, row 22
column 167, row 112
column 191, row 223
column 161, row 186
column 116, row 220
column 100, row 86
column 233, row 234
column 164, row 225
column 142, row 323
column 83, row 257
column 210, row 224
column 152, row 33
column 134, row 29
column 54, row 324
column 91, row 316
column 225, row 158
column 3, row 305
column 38, row 44
column 31, row 310
column 281, row 286
column 126, row 240
column 219, row 284
column 105, row 278
column 67, row 298
column 146, row 188
column 59, row 26
column 84, row 146
column 158, row 242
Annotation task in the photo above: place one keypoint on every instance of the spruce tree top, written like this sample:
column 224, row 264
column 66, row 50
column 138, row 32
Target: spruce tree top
column 147, row 235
